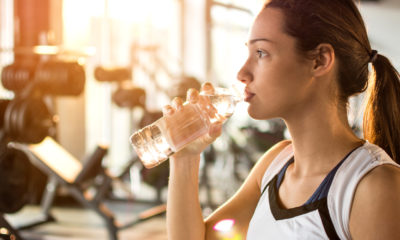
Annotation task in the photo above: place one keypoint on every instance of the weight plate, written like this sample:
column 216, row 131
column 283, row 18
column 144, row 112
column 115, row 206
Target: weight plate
column 3, row 106
column 34, row 121
column 14, row 119
column 15, row 174
column 8, row 118
column 20, row 120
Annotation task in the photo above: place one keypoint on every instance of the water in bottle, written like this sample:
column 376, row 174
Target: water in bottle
column 156, row 142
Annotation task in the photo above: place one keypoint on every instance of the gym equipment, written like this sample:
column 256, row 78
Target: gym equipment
column 28, row 120
column 64, row 169
column 60, row 78
column 129, row 96
column 126, row 95
column 16, row 77
column 6, row 230
column 15, row 173
column 116, row 74
column 50, row 77
column 15, row 167
column 3, row 106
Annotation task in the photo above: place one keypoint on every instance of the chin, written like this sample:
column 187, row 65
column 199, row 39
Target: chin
column 259, row 115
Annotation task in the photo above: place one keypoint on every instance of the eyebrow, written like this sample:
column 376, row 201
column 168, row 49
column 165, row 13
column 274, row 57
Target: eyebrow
column 257, row 40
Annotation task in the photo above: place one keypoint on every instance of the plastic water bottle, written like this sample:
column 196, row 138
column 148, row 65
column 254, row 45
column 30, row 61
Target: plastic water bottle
column 159, row 140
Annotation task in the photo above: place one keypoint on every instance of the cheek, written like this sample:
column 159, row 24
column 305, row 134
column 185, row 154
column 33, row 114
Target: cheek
column 279, row 89
column 289, row 77
column 278, row 82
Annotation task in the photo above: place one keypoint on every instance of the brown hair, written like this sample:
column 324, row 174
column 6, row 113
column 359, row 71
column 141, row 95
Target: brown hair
column 339, row 23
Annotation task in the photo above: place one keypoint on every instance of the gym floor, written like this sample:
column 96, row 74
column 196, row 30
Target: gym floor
column 81, row 224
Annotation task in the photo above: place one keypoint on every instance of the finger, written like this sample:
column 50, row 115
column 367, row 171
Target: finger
column 207, row 88
column 177, row 103
column 215, row 130
column 192, row 96
column 205, row 103
column 168, row 110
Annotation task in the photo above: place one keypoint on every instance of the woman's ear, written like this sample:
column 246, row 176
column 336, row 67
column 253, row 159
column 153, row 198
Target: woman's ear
column 323, row 59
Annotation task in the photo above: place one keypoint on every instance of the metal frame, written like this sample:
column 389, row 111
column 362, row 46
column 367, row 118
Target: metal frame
column 74, row 189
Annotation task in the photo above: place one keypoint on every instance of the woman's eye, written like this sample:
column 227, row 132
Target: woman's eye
column 260, row 53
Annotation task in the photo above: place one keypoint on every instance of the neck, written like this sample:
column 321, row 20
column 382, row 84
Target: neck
column 320, row 142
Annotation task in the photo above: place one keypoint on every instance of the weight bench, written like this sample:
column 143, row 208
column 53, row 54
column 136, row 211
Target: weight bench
column 64, row 169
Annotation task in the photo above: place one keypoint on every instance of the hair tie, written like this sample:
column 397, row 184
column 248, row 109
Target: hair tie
column 373, row 56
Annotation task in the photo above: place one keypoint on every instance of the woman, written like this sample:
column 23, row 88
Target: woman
column 306, row 58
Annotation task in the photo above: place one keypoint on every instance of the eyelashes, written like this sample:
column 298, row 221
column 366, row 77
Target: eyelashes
column 260, row 53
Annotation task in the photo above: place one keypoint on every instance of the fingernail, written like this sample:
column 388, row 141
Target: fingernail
column 167, row 110
column 192, row 96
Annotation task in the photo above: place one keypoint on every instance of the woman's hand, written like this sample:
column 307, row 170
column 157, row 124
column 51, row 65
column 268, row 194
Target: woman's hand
column 194, row 148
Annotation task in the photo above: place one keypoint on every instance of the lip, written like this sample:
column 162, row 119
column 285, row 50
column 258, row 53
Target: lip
column 248, row 95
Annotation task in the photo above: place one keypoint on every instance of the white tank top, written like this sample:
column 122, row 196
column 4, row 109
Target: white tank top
column 327, row 218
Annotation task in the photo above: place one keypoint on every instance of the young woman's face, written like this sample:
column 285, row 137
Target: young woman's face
column 278, row 79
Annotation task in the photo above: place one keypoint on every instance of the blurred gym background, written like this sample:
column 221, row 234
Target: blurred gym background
column 79, row 77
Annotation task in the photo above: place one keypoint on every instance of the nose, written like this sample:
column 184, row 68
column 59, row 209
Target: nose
column 244, row 75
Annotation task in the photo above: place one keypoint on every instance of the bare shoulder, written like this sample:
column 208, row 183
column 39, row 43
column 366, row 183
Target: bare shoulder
column 267, row 158
column 376, row 205
column 243, row 203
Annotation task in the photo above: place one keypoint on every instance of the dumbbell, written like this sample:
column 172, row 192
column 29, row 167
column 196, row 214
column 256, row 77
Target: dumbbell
column 129, row 97
column 116, row 74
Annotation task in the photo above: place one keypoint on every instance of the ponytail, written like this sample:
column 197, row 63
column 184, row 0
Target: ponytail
column 382, row 113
